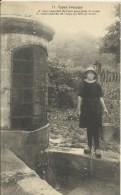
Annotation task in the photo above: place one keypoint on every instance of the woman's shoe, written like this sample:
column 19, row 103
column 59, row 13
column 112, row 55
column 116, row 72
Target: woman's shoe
column 97, row 153
column 87, row 150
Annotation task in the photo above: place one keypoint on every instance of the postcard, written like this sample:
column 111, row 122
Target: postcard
column 60, row 97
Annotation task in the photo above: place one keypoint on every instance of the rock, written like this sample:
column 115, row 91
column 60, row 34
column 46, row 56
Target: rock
column 55, row 141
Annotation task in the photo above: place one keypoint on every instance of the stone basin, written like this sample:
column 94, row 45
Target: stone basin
column 72, row 172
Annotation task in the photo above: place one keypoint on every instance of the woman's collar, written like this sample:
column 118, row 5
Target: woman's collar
column 90, row 81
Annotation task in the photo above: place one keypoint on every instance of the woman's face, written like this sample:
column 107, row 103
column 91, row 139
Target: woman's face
column 90, row 75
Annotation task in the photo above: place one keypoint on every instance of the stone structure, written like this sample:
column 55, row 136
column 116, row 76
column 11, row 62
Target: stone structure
column 72, row 168
column 23, row 83
column 17, row 178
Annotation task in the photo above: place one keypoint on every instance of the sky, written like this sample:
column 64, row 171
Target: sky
column 69, row 24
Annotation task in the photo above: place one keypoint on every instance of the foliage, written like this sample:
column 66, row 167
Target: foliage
column 113, row 107
column 111, row 41
column 62, row 85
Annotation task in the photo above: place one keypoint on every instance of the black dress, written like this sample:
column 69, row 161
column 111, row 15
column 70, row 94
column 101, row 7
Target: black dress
column 91, row 109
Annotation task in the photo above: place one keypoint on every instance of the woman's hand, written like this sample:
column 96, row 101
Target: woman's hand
column 106, row 111
column 103, row 105
column 79, row 102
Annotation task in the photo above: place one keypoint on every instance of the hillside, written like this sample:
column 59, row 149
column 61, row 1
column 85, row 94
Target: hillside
column 79, row 50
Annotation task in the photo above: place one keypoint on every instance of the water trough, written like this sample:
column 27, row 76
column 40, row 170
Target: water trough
column 73, row 173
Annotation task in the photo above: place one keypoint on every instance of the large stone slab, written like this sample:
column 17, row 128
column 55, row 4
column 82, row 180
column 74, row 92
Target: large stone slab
column 18, row 179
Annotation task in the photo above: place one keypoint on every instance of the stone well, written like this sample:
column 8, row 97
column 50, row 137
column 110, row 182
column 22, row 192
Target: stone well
column 24, row 84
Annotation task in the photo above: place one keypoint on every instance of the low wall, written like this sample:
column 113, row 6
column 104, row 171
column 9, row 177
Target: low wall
column 69, row 166
column 18, row 179
column 26, row 145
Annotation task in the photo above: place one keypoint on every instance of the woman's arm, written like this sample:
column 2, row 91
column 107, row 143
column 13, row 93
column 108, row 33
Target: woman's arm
column 103, row 105
column 79, row 103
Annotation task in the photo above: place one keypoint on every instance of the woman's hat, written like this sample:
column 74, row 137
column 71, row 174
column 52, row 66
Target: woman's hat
column 91, row 68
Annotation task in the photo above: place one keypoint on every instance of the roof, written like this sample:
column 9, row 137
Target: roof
column 26, row 26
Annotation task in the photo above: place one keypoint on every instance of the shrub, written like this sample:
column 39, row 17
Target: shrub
column 62, row 85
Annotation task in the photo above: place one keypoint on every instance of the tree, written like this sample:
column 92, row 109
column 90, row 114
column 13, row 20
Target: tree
column 111, row 41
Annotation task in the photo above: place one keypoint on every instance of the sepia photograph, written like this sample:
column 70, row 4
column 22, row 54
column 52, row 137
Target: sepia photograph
column 60, row 97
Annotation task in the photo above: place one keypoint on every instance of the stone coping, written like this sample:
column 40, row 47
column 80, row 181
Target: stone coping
column 106, row 155
column 18, row 178
column 26, row 26
column 24, row 131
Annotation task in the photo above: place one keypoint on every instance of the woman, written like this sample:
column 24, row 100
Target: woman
column 90, row 104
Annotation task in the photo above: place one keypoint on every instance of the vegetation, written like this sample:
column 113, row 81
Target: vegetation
column 111, row 41
column 63, row 84
column 65, row 131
